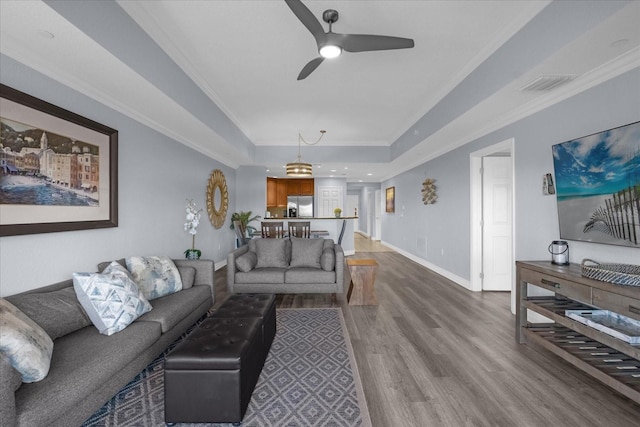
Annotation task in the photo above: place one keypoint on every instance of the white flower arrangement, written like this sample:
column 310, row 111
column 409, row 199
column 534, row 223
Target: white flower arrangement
column 191, row 225
column 193, row 218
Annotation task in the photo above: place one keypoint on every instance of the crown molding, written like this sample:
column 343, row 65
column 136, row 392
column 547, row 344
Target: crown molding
column 13, row 49
column 166, row 43
column 614, row 68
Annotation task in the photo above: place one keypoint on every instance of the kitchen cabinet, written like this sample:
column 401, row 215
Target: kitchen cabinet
column 276, row 193
column 282, row 193
column 300, row 187
column 272, row 192
column 307, row 187
column 279, row 189
column 293, row 187
column 610, row 360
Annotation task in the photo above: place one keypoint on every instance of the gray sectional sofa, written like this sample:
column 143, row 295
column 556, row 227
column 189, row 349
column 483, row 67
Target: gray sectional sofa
column 88, row 368
column 292, row 265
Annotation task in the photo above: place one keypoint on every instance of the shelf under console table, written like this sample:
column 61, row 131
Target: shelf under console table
column 612, row 361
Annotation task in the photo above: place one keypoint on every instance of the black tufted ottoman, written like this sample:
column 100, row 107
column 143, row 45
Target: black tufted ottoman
column 211, row 375
column 263, row 306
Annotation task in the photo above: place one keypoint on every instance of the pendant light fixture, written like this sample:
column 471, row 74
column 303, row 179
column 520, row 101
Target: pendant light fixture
column 300, row 169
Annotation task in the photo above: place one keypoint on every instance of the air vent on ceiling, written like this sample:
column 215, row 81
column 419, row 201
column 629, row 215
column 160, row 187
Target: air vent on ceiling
column 548, row 82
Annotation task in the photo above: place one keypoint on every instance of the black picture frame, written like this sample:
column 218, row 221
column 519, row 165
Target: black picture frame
column 20, row 219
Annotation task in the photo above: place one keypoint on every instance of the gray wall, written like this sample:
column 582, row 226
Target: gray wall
column 428, row 231
column 156, row 176
column 366, row 191
column 251, row 193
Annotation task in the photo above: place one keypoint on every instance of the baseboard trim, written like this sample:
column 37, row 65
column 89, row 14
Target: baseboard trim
column 218, row 265
column 441, row 271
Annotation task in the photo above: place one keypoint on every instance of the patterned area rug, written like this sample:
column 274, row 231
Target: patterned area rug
column 309, row 379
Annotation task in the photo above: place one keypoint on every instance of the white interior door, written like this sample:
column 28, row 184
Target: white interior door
column 377, row 212
column 329, row 198
column 353, row 201
column 496, row 220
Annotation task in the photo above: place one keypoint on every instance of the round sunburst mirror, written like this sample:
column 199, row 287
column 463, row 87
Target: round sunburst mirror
column 217, row 198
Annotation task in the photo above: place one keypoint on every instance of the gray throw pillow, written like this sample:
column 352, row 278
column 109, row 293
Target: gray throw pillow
column 247, row 261
column 59, row 312
column 188, row 276
column 106, row 264
column 306, row 252
column 24, row 344
column 271, row 253
column 327, row 243
column 328, row 259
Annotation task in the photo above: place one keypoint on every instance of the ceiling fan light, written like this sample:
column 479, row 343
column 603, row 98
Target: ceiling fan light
column 330, row 51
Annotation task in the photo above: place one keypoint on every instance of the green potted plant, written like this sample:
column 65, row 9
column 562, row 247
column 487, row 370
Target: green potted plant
column 337, row 212
column 245, row 218
column 191, row 225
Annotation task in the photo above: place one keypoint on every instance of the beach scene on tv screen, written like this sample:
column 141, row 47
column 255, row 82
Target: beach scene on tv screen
column 598, row 186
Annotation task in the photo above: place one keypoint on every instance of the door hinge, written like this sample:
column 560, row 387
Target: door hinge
column 482, row 275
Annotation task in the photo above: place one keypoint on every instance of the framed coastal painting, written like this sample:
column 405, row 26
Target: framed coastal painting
column 58, row 170
column 391, row 199
column 598, row 186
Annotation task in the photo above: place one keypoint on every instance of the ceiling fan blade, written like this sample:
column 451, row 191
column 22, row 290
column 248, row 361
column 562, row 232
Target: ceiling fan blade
column 310, row 67
column 367, row 42
column 308, row 20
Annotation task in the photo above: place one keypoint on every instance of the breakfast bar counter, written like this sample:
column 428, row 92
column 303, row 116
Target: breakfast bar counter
column 332, row 225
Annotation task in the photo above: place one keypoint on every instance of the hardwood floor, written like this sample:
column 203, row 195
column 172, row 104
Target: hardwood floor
column 434, row 354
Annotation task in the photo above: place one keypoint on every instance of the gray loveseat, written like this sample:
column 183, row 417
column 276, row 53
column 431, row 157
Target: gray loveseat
column 286, row 266
column 88, row 368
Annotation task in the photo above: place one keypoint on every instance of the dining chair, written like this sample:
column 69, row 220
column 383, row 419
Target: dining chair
column 241, row 233
column 272, row 229
column 344, row 225
column 300, row 229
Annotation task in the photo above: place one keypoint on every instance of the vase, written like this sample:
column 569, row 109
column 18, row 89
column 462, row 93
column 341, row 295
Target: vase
column 192, row 253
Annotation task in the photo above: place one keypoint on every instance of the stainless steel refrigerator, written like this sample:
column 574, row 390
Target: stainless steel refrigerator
column 301, row 206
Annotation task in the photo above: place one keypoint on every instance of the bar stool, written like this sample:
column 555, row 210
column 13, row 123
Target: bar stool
column 272, row 229
column 300, row 229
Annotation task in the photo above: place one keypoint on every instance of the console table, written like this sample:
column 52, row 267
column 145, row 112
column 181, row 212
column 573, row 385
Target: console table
column 612, row 361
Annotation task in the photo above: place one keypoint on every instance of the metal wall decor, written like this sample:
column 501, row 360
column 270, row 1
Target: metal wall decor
column 429, row 195
column 217, row 198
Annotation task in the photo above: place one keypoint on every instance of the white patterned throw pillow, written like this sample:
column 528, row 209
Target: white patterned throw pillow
column 25, row 344
column 156, row 276
column 111, row 299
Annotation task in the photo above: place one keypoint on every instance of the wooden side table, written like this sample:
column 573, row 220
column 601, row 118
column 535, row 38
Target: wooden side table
column 363, row 277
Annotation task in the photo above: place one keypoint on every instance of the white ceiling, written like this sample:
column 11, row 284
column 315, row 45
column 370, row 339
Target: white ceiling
column 245, row 57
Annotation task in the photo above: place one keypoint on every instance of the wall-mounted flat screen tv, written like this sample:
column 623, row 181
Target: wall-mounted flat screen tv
column 598, row 187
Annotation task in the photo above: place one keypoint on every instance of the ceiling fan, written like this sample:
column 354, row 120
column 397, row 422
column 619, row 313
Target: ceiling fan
column 331, row 45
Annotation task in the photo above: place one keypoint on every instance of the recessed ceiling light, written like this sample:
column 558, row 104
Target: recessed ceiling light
column 369, row 174
column 359, row 180
column 345, row 168
column 333, row 170
column 268, row 170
